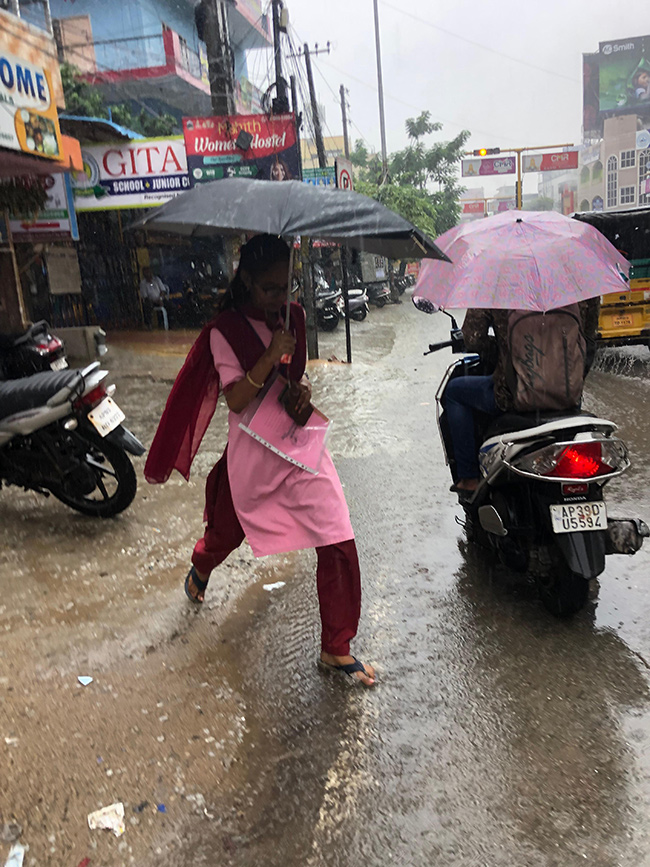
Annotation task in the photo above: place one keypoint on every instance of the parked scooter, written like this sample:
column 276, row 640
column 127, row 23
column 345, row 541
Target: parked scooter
column 34, row 351
column 61, row 433
column 540, row 504
column 357, row 304
column 378, row 293
column 38, row 350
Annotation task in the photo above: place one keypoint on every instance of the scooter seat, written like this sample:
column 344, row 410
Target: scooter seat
column 17, row 395
column 510, row 421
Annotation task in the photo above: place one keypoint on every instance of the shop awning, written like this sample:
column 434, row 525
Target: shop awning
column 15, row 163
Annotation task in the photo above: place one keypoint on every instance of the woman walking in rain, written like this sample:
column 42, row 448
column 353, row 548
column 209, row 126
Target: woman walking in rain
column 252, row 492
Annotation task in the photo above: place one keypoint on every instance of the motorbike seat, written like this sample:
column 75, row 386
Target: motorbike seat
column 511, row 421
column 17, row 395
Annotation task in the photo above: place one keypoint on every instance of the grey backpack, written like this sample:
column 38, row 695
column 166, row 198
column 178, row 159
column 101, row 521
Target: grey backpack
column 547, row 353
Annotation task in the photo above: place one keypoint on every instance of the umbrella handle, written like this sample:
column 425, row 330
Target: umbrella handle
column 286, row 359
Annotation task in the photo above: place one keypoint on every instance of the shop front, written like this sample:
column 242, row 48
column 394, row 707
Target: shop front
column 33, row 153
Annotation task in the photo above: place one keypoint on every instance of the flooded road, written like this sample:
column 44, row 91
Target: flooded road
column 496, row 735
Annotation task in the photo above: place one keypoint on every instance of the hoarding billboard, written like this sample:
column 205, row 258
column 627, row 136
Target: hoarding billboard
column 592, row 123
column 28, row 119
column 56, row 221
column 624, row 74
column 489, row 166
column 550, row 162
column 250, row 146
column 139, row 174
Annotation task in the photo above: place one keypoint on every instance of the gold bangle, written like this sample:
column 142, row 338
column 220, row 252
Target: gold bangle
column 252, row 381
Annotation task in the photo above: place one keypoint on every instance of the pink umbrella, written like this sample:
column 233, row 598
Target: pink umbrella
column 521, row 260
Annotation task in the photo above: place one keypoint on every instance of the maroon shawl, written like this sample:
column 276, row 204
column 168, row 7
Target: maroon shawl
column 193, row 398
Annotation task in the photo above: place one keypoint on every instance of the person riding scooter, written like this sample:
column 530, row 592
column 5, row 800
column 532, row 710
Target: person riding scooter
column 496, row 393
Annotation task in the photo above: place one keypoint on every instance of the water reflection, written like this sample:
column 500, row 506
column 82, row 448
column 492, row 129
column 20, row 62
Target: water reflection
column 552, row 701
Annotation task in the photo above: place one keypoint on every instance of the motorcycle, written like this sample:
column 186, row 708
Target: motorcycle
column 62, row 434
column 357, row 304
column 540, row 506
column 37, row 350
column 378, row 293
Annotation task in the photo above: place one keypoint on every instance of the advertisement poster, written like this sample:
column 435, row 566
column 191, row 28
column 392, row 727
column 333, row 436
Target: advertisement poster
column 320, row 177
column 550, row 162
column 489, row 166
column 57, row 221
column 245, row 146
column 474, row 207
column 28, row 115
column 592, row 123
column 624, row 74
column 138, row 174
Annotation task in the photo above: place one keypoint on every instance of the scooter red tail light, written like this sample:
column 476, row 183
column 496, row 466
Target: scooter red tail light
column 48, row 345
column 588, row 459
column 94, row 397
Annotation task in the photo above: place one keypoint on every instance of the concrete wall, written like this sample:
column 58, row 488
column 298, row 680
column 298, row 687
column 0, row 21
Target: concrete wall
column 121, row 20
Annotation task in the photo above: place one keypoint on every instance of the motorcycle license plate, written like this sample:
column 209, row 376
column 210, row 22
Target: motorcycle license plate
column 623, row 321
column 106, row 416
column 578, row 517
column 59, row 364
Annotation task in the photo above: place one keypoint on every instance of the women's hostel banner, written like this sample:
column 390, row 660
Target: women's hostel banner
column 245, row 145
column 139, row 174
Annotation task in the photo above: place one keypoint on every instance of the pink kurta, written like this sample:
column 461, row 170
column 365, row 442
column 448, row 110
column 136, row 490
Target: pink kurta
column 280, row 507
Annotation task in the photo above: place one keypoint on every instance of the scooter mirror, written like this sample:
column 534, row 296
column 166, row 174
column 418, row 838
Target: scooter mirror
column 424, row 305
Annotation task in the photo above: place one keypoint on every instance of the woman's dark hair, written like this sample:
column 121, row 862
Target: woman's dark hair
column 257, row 255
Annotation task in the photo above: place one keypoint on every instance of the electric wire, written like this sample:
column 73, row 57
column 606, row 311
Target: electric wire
column 477, row 44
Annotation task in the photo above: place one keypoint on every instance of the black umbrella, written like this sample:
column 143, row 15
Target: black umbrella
column 289, row 208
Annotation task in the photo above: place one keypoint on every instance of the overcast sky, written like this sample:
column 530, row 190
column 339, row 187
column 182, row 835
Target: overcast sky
column 508, row 71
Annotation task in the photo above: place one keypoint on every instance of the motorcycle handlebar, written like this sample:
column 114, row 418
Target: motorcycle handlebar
column 434, row 347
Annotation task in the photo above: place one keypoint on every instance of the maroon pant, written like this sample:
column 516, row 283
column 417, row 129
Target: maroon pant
column 338, row 578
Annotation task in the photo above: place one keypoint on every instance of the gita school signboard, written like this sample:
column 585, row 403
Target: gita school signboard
column 249, row 146
column 140, row 174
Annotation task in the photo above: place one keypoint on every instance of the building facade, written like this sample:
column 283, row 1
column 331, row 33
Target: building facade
column 148, row 54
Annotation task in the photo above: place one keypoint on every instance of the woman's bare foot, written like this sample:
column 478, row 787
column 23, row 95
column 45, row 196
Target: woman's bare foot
column 367, row 676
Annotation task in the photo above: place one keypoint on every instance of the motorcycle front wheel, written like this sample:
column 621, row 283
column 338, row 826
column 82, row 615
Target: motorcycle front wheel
column 359, row 315
column 380, row 302
column 104, row 484
column 563, row 592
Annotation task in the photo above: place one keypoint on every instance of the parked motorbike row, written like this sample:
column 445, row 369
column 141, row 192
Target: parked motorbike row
column 330, row 305
column 61, row 433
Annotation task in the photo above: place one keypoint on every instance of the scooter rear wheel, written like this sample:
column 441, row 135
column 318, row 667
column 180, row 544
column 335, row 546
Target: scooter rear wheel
column 563, row 592
column 106, row 484
column 379, row 302
column 359, row 315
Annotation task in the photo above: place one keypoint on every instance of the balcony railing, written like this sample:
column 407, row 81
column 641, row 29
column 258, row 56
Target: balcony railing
column 161, row 53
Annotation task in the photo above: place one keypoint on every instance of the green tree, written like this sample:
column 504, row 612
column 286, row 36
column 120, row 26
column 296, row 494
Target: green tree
column 82, row 99
column 422, row 182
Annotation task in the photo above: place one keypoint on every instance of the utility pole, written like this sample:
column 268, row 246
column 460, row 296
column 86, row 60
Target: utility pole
column 380, row 88
column 320, row 146
column 281, row 101
column 212, row 26
column 346, row 143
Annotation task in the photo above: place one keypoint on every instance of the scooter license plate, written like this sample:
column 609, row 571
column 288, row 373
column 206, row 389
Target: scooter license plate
column 106, row 416
column 578, row 517
column 59, row 364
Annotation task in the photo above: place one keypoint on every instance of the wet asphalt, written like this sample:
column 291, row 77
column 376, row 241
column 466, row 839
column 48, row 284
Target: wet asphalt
column 495, row 735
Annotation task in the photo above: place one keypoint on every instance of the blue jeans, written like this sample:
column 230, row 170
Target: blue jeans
column 463, row 395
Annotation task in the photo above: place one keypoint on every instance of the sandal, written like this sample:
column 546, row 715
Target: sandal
column 201, row 586
column 348, row 669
